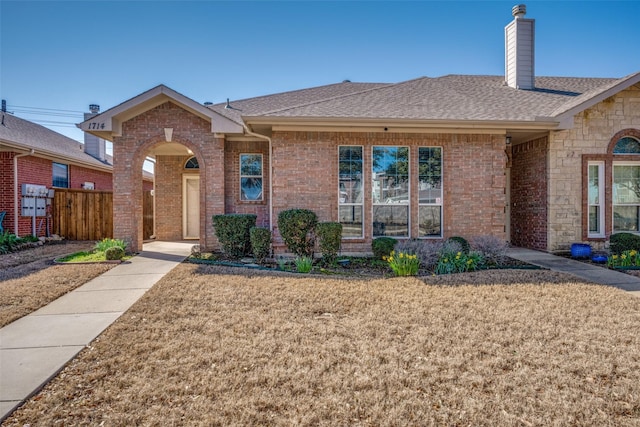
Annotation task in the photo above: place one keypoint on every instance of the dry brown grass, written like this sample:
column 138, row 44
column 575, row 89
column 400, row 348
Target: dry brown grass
column 213, row 346
column 29, row 280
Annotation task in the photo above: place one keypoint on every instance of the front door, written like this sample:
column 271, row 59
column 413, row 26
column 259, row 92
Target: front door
column 191, row 207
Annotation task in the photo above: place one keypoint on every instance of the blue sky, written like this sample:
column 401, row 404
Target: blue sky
column 66, row 55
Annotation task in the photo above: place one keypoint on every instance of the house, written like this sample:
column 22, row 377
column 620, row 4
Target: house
column 539, row 161
column 36, row 156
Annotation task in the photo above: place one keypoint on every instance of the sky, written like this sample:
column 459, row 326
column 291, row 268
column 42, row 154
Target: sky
column 57, row 57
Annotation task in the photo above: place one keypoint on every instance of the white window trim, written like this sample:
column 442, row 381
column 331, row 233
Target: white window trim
column 601, row 187
column 409, row 194
column 441, row 204
column 361, row 204
column 261, row 199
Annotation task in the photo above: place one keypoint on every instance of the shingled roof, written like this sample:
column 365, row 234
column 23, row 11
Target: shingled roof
column 25, row 135
column 450, row 97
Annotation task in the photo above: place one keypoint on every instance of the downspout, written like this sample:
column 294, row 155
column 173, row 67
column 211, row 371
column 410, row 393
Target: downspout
column 15, row 189
column 257, row 135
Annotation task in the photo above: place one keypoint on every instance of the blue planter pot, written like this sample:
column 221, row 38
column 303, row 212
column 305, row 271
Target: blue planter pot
column 580, row 250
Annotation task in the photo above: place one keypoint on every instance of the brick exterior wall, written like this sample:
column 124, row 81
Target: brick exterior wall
column 529, row 199
column 589, row 139
column 79, row 175
column 6, row 188
column 233, row 204
column 168, row 196
column 305, row 175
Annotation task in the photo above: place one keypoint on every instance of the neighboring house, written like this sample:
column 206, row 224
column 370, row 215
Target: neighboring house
column 539, row 161
column 33, row 154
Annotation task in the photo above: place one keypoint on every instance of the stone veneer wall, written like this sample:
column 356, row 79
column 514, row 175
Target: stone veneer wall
column 590, row 135
column 305, row 175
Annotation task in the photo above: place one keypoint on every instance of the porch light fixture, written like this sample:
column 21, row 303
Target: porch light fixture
column 168, row 134
column 507, row 140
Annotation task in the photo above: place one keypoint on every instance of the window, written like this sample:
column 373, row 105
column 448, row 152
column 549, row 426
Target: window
column 626, row 197
column 250, row 177
column 60, row 175
column 390, row 191
column 627, row 145
column 596, row 199
column 192, row 163
column 350, row 203
column 430, row 191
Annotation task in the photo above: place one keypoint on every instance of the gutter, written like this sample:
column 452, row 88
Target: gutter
column 257, row 135
column 15, row 189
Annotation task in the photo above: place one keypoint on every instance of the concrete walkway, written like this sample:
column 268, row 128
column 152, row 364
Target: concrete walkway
column 588, row 272
column 35, row 348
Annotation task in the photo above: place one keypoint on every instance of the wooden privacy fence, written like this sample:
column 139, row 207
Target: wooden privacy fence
column 88, row 214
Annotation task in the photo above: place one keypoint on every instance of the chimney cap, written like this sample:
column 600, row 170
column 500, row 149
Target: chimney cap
column 519, row 10
column 94, row 108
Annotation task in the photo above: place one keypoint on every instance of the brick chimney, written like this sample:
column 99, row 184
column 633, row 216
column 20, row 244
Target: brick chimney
column 519, row 38
column 93, row 145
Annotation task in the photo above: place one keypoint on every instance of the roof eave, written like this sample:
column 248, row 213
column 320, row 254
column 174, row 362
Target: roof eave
column 57, row 157
column 400, row 125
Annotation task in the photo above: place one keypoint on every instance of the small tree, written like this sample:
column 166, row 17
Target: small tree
column 297, row 228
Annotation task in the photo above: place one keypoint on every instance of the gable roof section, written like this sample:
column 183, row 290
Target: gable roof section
column 24, row 135
column 108, row 124
column 596, row 95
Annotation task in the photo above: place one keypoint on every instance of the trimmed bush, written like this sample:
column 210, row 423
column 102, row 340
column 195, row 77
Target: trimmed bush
column 233, row 233
column 382, row 246
column 297, row 228
column 464, row 244
column 329, row 239
column 114, row 253
column 620, row 242
column 260, row 243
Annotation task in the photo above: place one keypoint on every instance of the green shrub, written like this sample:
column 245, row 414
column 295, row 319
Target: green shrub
column 114, row 253
column 8, row 242
column 29, row 238
column 464, row 244
column 304, row 264
column 382, row 246
column 329, row 239
column 458, row 262
column 233, row 232
column 260, row 243
column 620, row 242
column 403, row 264
column 105, row 244
column 297, row 228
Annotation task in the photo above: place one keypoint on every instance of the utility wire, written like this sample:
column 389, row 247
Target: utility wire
column 45, row 109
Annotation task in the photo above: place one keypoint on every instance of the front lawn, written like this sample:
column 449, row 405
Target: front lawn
column 221, row 346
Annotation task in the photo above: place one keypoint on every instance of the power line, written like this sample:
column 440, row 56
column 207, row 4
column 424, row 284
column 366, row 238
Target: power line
column 45, row 109
column 45, row 113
